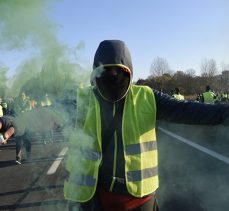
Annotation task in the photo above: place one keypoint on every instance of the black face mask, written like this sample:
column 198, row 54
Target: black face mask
column 113, row 83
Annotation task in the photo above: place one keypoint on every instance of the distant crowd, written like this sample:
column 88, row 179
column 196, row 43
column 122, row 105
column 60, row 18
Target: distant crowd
column 22, row 103
column 208, row 96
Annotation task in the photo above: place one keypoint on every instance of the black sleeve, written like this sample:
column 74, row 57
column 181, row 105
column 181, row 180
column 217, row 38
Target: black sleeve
column 187, row 112
column 6, row 124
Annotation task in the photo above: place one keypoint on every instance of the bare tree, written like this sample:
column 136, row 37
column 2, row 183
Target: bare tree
column 204, row 67
column 190, row 72
column 225, row 80
column 212, row 67
column 159, row 67
column 224, row 66
column 208, row 68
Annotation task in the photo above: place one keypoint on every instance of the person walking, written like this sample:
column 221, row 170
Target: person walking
column 8, row 129
column 112, row 161
column 22, row 127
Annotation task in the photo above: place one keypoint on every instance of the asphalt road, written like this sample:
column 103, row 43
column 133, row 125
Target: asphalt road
column 31, row 185
column 193, row 179
column 190, row 179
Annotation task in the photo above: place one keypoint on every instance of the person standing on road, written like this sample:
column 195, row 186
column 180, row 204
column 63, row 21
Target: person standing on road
column 23, row 126
column 47, row 134
column 112, row 159
column 208, row 96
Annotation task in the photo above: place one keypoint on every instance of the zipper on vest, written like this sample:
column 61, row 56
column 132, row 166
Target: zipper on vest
column 115, row 163
column 115, row 157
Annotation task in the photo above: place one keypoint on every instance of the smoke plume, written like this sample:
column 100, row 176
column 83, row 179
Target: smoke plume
column 48, row 69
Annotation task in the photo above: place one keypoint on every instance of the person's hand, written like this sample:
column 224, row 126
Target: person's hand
column 4, row 141
column 1, row 138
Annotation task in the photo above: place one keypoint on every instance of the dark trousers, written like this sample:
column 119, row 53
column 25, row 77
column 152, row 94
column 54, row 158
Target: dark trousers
column 47, row 135
column 94, row 205
column 20, row 142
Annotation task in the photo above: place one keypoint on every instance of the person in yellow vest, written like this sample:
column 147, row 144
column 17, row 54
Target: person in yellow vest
column 224, row 96
column 46, row 101
column 208, row 96
column 47, row 135
column 112, row 161
column 177, row 95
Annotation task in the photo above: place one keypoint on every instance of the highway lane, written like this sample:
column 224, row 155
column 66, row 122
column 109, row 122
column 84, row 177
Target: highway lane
column 29, row 186
column 189, row 178
column 212, row 137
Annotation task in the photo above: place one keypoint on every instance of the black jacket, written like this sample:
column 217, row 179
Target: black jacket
column 6, row 123
column 188, row 112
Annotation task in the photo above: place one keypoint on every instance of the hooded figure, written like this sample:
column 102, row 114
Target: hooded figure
column 112, row 158
column 112, row 70
column 112, row 130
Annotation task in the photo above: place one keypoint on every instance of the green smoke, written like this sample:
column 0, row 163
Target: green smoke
column 25, row 25
column 3, row 79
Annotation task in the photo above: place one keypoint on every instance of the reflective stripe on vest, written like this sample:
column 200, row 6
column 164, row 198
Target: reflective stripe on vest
column 138, row 175
column 140, row 147
column 178, row 96
column 139, row 140
column 83, row 180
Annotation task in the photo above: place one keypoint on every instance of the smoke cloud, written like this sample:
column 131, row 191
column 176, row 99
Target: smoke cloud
column 26, row 28
column 25, row 23
column 186, row 175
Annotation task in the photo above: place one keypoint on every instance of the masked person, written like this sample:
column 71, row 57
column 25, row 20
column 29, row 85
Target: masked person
column 112, row 158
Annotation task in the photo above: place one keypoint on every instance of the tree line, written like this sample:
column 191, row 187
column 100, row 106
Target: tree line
column 164, row 79
column 58, row 77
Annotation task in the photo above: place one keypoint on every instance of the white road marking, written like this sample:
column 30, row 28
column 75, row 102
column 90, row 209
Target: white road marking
column 56, row 163
column 197, row 146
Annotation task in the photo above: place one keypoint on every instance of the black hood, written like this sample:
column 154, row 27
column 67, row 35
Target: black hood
column 113, row 52
column 112, row 70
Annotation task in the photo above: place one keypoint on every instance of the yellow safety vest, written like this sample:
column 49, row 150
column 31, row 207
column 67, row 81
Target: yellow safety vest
column 209, row 97
column 178, row 96
column 139, row 141
column 46, row 102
